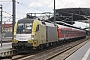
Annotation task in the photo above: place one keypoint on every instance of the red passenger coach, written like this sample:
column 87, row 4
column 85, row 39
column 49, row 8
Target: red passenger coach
column 60, row 33
column 58, row 29
column 64, row 32
column 67, row 32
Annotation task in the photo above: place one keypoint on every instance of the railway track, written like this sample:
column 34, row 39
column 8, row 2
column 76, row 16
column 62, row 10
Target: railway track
column 6, row 41
column 62, row 55
column 15, row 57
column 21, row 55
column 5, row 54
column 53, row 52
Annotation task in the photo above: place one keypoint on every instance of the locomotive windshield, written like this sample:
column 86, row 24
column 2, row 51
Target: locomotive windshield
column 24, row 28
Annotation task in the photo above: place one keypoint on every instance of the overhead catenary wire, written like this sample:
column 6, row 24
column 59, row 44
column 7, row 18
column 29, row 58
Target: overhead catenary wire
column 64, row 3
column 4, row 6
column 10, row 17
column 25, row 5
column 7, row 13
column 7, row 4
column 28, row 6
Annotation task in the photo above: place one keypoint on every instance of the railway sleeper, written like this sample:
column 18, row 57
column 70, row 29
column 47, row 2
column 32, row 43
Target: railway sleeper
column 7, row 53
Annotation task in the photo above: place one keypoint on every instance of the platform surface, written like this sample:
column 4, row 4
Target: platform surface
column 5, row 46
column 81, row 54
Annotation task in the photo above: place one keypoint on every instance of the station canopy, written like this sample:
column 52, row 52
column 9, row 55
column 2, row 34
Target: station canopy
column 69, row 15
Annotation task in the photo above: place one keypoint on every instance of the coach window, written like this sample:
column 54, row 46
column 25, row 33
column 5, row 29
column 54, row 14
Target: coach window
column 65, row 31
column 73, row 32
column 61, row 31
column 70, row 32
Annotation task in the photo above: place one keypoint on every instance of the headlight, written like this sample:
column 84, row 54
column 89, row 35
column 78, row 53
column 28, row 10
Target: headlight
column 14, row 41
column 30, row 41
column 32, row 36
column 15, row 37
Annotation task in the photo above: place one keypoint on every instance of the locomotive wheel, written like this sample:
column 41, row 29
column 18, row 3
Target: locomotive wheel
column 40, row 47
column 50, row 44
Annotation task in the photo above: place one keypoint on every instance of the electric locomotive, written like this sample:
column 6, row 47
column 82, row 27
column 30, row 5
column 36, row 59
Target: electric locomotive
column 33, row 33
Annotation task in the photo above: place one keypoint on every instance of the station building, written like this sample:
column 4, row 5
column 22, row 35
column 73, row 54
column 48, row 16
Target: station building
column 6, row 27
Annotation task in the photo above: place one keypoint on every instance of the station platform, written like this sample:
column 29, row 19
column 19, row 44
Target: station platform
column 6, row 50
column 81, row 54
column 5, row 46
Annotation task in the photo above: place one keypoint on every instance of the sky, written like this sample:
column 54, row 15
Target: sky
column 27, row 6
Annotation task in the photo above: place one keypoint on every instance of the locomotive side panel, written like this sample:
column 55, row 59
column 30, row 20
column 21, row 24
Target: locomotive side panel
column 41, row 35
column 51, row 34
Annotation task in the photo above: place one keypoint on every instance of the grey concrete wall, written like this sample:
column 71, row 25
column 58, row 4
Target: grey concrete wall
column 0, row 36
column 7, row 34
column 7, row 37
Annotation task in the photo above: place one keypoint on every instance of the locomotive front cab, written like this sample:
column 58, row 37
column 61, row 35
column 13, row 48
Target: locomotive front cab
column 23, row 36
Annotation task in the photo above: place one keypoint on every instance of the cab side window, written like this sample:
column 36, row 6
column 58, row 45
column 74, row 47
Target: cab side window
column 37, row 28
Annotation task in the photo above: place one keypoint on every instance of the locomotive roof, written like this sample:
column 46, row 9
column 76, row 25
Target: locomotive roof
column 25, row 20
column 49, row 24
